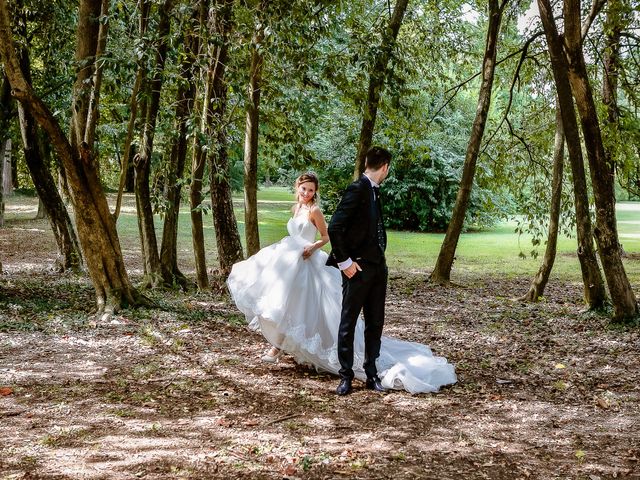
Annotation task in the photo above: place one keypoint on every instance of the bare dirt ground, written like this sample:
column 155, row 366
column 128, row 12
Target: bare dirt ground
column 545, row 390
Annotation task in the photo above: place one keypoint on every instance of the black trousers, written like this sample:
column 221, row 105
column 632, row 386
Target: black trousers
column 366, row 292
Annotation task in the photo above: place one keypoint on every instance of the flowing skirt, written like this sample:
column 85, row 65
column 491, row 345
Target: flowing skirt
column 296, row 304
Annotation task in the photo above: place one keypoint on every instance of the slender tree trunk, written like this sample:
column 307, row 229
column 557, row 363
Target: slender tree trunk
column 127, row 173
column 91, row 44
column 41, row 213
column 142, row 161
column 376, row 85
column 3, row 144
column 536, row 290
column 197, row 227
column 69, row 253
column 618, row 15
column 96, row 229
column 195, row 203
column 173, row 186
column 198, row 165
column 13, row 168
column 442, row 271
column 251, row 232
column 54, row 209
column 613, row 29
column 7, row 166
column 594, row 291
column 602, row 174
column 5, row 115
column 63, row 185
column 224, row 220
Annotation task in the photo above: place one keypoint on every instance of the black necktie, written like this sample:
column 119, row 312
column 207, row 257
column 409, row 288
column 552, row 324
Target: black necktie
column 382, row 239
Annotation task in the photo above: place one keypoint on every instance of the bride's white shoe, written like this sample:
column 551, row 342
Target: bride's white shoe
column 268, row 358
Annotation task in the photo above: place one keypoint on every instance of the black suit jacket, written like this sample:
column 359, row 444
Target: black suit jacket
column 353, row 226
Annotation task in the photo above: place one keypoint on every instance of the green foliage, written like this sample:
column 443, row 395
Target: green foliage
column 420, row 192
column 317, row 57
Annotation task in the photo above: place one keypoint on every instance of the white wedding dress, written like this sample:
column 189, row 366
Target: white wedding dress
column 295, row 303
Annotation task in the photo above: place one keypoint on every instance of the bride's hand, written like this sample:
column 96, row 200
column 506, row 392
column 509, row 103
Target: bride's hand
column 308, row 251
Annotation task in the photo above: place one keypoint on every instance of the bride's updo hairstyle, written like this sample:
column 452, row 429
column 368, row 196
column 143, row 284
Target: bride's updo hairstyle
column 308, row 177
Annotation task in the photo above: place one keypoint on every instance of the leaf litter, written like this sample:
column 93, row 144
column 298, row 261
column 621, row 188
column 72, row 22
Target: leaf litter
column 545, row 390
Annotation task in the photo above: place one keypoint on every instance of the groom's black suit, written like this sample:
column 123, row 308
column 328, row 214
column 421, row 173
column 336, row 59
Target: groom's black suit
column 356, row 231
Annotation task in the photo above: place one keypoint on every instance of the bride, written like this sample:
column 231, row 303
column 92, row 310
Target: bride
column 288, row 293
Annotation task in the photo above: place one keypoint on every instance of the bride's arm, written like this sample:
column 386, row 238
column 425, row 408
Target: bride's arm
column 318, row 220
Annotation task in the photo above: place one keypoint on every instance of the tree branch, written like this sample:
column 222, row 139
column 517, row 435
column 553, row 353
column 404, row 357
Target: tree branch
column 596, row 7
column 516, row 76
column 456, row 88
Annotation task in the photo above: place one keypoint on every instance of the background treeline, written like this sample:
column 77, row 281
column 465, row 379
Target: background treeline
column 183, row 101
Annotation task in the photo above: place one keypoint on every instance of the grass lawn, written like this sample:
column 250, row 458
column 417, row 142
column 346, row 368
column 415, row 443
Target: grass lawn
column 493, row 251
column 489, row 252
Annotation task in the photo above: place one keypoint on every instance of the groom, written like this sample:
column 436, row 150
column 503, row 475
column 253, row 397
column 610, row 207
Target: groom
column 358, row 241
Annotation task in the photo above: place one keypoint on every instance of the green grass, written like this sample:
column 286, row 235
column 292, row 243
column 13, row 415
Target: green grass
column 489, row 252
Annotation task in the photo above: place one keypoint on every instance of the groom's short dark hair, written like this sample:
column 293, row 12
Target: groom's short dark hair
column 377, row 157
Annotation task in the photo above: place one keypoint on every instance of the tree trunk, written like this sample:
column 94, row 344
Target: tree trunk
column 617, row 20
column 602, row 174
column 70, row 256
column 54, row 209
column 5, row 115
column 3, row 145
column 96, row 229
column 127, row 173
column 594, row 291
column 536, row 290
column 7, row 166
column 376, row 85
column 195, row 203
column 142, row 161
column 41, row 214
column 224, row 220
column 251, row 232
column 12, row 178
column 442, row 271
column 613, row 29
column 63, row 185
column 91, row 43
column 198, row 164
column 173, row 186
column 6, row 110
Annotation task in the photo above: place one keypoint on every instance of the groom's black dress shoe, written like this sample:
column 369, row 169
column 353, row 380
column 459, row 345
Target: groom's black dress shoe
column 345, row 387
column 374, row 384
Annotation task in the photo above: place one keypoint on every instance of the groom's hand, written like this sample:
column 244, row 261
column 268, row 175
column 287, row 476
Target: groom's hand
column 352, row 270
